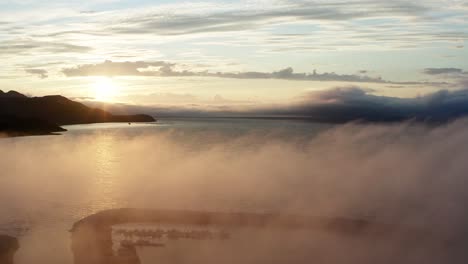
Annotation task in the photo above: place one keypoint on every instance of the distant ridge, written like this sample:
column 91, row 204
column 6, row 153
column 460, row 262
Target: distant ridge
column 43, row 115
column 11, row 94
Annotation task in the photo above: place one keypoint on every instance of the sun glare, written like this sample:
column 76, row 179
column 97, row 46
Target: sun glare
column 105, row 89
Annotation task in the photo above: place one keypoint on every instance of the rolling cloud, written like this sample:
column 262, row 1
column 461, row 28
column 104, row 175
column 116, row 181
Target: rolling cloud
column 338, row 105
column 353, row 103
column 411, row 177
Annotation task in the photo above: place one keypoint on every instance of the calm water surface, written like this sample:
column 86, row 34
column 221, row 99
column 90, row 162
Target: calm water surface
column 46, row 188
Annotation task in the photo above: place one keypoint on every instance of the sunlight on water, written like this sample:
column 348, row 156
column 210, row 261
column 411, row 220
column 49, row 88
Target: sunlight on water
column 49, row 183
column 61, row 179
column 106, row 160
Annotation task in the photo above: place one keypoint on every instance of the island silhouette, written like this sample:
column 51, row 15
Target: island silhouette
column 23, row 115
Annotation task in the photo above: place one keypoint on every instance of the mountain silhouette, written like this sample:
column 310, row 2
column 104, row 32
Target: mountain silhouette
column 42, row 115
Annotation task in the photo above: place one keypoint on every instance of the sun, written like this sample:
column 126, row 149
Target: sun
column 105, row 89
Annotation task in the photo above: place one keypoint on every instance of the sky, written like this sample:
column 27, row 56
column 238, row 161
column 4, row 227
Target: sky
column 232, row 53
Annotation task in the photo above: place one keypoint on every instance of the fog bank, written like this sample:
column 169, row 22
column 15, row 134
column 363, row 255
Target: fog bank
column 402, row 174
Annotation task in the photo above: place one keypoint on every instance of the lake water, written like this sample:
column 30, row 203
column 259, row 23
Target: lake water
column 406, row 176
column 49, row 182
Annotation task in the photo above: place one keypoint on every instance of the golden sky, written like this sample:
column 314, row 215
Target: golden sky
column 230, row 52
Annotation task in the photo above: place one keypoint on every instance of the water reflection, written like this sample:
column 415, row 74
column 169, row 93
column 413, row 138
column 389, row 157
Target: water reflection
column 51, row 182
column 104, row 189
column 47, row 183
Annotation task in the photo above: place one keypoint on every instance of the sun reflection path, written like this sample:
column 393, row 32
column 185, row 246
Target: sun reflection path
column 105, row 191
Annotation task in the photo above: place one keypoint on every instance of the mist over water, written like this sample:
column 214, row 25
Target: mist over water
column 407, row 175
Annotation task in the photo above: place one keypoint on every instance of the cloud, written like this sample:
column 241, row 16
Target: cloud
column 407, row 178
column 109, row 68
column 438, row 71
column 27, row 46
column 320, row 25
column 353, row 103
column 374, row 24
column 167, row 69
column 337, row 105
column 289, row 74
column 261, row 29
column 41, row 72
column 224, row 19
column 458, row 75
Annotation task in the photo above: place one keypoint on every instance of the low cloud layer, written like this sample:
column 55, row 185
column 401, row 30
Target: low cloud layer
column 337, row 105
column 353, row 103
column 406, row 176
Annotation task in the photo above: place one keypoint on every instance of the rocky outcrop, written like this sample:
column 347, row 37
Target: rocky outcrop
column 59, row 110
column 22, row 115
column 22, row 126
